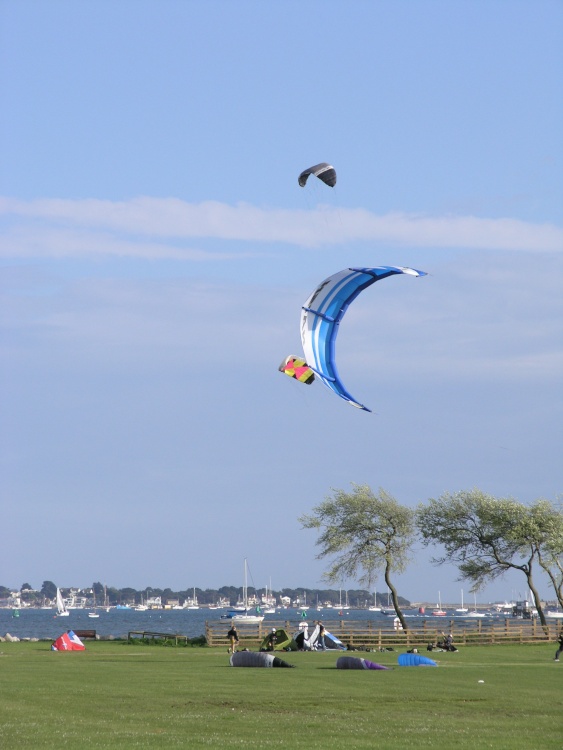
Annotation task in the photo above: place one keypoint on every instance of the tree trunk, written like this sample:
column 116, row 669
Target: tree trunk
column 537, row 601
column 395, row 598
column 557, row 584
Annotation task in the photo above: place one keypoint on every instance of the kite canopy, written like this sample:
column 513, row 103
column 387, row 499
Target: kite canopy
column 321, row 315
column 284, row 642
column 323, row 171
column 254, row 659
column 297, row 368
column 354, row 662
column 303, row 639
column 68, row 642
column 415, row 660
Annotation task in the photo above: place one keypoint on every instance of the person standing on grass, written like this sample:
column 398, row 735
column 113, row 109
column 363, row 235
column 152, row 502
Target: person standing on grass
column 233, row 637
column 272, row 639
column 560, row 645
column 322, row 631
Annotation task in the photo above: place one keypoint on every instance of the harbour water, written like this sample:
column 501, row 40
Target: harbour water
column 43, row 623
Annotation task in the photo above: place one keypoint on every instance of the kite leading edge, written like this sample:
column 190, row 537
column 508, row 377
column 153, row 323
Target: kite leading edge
column 324, row 171
column 321, row 315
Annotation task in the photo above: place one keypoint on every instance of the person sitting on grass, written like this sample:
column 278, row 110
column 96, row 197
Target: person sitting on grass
column 447, row 643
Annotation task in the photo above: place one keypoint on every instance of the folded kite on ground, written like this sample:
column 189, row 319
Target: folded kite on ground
column 415, row 660
column 254, row 659
column 355, row 662
column 68, row 642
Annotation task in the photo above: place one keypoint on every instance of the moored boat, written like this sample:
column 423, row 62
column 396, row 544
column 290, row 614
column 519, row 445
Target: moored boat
column 246, row 616
column 61, row 608
column 439, row 612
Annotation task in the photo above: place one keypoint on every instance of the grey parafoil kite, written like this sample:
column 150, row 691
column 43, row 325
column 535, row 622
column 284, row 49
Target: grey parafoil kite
column 323, row 171
column 257, row 659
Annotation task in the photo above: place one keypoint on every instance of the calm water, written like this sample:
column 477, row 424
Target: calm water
column 41, row 623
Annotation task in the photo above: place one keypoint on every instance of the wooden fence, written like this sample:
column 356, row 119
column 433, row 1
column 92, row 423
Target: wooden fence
column 380, row 634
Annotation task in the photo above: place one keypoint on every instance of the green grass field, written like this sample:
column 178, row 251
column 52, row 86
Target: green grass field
column 116, row 695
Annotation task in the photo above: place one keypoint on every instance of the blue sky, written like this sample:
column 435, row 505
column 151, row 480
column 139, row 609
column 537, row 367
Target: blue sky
column 156, row 250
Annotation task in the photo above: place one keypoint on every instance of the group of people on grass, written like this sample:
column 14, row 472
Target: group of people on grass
column 232, row 635
column 446, row 644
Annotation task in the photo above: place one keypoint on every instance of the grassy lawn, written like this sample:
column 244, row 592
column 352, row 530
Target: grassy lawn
column 116, row 695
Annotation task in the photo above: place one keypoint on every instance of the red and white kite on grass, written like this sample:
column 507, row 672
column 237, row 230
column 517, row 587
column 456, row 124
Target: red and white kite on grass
column 68, row 642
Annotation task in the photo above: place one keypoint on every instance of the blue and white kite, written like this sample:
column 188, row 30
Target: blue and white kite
column 415, row 660
column 321, row 315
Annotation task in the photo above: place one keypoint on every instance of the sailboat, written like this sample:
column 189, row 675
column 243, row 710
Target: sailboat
column 244, row 616
column 475, row 613
column 389, row 610
column 142, row 607
column 194, row 604
column 61, row 609
column 93, row 613
column 374, row 608
column 439, row 612
column 269, row 601
column 462, row 610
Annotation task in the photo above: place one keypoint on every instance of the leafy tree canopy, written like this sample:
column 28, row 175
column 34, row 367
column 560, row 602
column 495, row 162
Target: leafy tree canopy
column 364, row 533
column 486, row 536
column 49, row 590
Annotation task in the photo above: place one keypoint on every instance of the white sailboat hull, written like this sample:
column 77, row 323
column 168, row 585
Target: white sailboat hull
column 247, row 618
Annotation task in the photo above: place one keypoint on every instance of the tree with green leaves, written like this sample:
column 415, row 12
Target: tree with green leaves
column 545, row 531
column 98, row 592
column 364, row 533
column 49, row 590
column 487, row 536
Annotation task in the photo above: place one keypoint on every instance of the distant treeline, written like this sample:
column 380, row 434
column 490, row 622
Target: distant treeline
column 100, row 594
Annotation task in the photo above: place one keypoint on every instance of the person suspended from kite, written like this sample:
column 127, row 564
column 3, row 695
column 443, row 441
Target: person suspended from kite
column 325, row 172
column 320, row 320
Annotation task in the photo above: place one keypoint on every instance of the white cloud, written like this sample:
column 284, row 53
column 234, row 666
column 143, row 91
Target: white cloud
column 49, row 242
column 46, row 226
column 502, row 325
